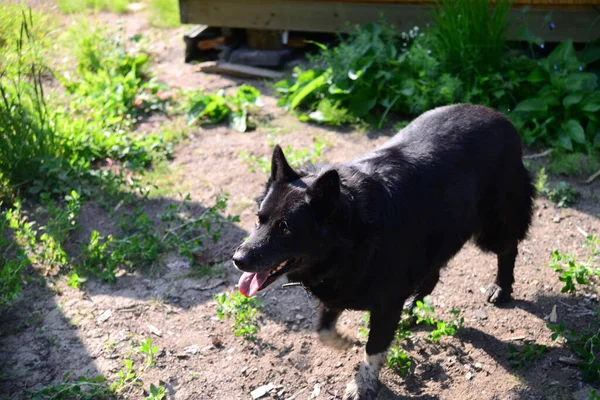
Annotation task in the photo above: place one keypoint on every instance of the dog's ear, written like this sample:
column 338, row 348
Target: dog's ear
column 280, row 169
column 324, row 193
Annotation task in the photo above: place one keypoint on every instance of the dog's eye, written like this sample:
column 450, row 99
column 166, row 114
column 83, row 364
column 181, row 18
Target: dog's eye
column 284, row 228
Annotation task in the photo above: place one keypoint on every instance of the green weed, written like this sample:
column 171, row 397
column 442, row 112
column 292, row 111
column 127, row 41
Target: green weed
column 562, row 194
column 142, row 241
column 243, row 311
column 541, row 181
column 156, row 393
column 425, row 314
column 129, row 375
column 585, row 344
column 529, row 353
column 399, row 361
column 214, row 108
column 13, row 258
column 572, row 271
column 83, row 388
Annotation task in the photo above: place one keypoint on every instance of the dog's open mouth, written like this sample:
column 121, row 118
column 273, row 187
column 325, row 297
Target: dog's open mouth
column 252, row 282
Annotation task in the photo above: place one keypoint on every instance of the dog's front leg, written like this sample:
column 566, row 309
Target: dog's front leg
column 366, row 382
column 328, row 334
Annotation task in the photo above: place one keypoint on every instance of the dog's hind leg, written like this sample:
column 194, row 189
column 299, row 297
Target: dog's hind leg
column 365, row 384
column 328, row 334
column 500, row 291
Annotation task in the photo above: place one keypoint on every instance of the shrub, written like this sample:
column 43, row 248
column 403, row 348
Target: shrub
column 564, row 112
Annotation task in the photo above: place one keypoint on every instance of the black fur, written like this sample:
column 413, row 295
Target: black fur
column 368, row 234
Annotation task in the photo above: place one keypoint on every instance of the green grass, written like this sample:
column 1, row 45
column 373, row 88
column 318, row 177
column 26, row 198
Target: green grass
column 295, row 157
column 574, row 163
column 470, row 35
column 75, row 6
column 164, row 13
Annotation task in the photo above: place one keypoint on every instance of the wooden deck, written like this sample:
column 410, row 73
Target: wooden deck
column 574, row 19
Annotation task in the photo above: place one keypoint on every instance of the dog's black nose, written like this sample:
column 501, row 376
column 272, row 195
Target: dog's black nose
column 240, row 259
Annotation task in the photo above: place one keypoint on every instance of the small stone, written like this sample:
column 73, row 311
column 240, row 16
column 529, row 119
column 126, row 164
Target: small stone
column 469, row 375
column 480, row 314
column 316, row 391
column 193, row 349
column 478, row 366
column 104, row 316
column 154, row 330
column 299, row 316
column 261, row 391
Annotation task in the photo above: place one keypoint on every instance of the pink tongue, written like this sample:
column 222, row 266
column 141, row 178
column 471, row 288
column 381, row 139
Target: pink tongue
column 250, row 282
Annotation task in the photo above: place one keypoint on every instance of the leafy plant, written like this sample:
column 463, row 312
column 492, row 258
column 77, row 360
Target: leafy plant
column 399, row 361
column 573, row 271
column 214, row 108
column 562, row 194
column 564, row 111
column 156, row 393
column 526, row 355
column 83, row 388
column 243, row 310
column 425, row 314
column 148, row 351
column 585, row 344
column 371, row 73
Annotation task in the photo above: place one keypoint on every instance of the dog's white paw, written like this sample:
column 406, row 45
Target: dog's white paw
column 365, row 384
column 331, row 338
column 358, row 389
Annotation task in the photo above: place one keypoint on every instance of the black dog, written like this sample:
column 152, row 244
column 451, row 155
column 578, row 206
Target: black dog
column 369, row 234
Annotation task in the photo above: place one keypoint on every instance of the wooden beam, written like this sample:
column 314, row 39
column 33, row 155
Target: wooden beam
column 579, row 24
column 242, row 71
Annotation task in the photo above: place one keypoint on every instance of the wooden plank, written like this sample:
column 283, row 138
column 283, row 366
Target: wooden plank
column 243, row 71
column 532, row 3
column 336, row 16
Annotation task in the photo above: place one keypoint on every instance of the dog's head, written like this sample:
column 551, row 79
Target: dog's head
column 292, row 223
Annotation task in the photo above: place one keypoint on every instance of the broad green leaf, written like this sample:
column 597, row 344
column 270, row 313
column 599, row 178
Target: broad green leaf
column 585, row 81
column 573, row 98
column 597, row 141
column 563, row 53
column 565, row 142
column 532, row 105
column 238, row 120
column 362, row 103
column 308, row 89
column 591, row 52
column 574, row 130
